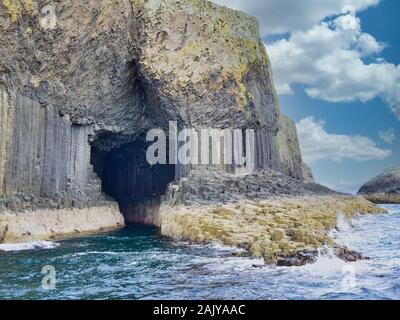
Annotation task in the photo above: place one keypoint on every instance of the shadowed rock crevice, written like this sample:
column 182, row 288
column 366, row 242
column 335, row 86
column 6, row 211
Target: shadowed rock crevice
column 128, row 178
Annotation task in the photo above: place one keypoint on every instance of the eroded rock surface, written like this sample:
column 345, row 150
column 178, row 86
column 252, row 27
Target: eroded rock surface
column 285, row 230
column 51, row 224
column 289, row 150
column 213, row 186
column 84, row 76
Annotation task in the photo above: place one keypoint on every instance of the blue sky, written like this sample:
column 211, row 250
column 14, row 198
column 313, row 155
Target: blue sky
column 340, row 84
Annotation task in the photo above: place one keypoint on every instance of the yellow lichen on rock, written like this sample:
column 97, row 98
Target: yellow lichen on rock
column 16, row 7
column 30, row 6
column 216, row 48
column 13, row 8
column 268, row 228
column 35, row 81
column 383, row 197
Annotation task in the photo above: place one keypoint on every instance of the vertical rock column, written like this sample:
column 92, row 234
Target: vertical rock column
column 44, row 155
column 5, row 135
column 23, row 160
column 79, row 168
column 267, row 156
column 289, row 148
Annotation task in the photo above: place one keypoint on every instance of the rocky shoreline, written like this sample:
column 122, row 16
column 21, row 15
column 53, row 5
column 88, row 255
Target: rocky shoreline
column 47, row 224
column 389, row 198
column 287, row 231
column 286, row 222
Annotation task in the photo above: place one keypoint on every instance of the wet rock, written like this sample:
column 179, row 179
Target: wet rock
column 288, row 229
column 303, row 257
column 348, row 255
column 298, row 259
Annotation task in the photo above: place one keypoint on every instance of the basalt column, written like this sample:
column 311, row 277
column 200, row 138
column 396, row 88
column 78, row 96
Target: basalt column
column 44, row 158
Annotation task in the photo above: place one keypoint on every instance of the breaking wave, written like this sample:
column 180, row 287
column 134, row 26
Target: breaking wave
column 34, row 245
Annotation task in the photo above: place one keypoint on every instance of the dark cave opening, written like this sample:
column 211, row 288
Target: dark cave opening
column 128, row 178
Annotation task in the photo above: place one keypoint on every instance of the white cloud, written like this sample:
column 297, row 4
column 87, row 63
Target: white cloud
column 388, row 136
column 281, row 16
column 317, row 144
column 328, row 60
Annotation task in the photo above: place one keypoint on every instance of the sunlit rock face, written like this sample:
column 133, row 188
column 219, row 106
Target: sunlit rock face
column 81, row 82
column 384, row 188
column 288, row 145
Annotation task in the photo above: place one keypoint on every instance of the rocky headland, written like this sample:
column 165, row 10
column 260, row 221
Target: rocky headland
column 82, row 82
column 384, row 188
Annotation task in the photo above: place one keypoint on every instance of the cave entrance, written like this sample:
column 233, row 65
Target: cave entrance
column 127, row 177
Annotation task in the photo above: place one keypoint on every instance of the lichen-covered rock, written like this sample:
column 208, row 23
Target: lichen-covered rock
column 307, row 173
column 384, row 188
column 58, row 84
column 194, row 49
column 98, row 74
column 287, row 231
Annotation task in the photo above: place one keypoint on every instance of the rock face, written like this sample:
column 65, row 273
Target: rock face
column 289, row 150
column 81, row 82
column 207, row 187
column 50, row 224
column 384, row 188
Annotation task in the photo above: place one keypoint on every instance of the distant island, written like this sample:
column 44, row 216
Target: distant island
column 384, row 188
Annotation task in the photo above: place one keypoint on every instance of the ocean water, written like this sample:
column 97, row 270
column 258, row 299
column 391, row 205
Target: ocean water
column 136, row 263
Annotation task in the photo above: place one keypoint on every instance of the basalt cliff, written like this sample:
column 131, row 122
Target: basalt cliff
column 82, row 82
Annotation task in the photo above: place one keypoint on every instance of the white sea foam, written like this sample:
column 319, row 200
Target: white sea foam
column 217, row 247
column 327, row 262
column 28, row 246
column 343, row 225
column 224, row 248
column 344, row 232
column 90, row 253
column 391, row 208
column 221, row 265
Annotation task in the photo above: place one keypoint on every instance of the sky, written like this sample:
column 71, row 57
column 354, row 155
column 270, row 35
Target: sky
column 336, row 66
